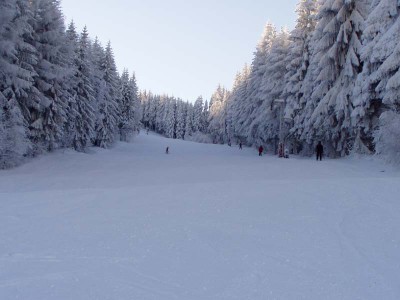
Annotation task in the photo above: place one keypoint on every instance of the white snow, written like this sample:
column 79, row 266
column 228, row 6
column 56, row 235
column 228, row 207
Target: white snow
column 204, row 222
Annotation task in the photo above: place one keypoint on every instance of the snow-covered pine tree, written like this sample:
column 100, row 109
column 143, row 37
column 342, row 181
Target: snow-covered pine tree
column 72, row 113
column 13, row 141
column 170, row 129
column 128, row 125
column 189, row 122
column 217, row 116
column 265, row 127
column 233, row 103
column 237, row 107
column 153, row 108
column 337, row 55
column 298, row 62
column 198, row 110
column 180, row 119
column 367, row 98
column 82, row 106
column 253, row 97
column 135, row 103
column 145, row 104
column 230, row 107
column 160, row 106
column 14, row 81
column 97, row 54
column 387, row 137
column 107, row 123
column 204, row 118
column 52, row 68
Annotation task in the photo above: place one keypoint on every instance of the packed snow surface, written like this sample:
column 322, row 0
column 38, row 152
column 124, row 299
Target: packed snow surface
column 203, row 222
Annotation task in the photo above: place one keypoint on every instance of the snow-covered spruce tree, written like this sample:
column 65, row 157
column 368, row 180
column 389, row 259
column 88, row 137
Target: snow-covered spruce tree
column 299, row 53
column 128, row 119
column 14, row 82
column 23, row 85
column 387, row 137
column 253, row 97
column 143, row 107
column 159, row 110
column 145, row 98
column 231, row 106
column 198, row 115
column 13, row 139
column 189, row 122
column 265, row 127
column 135, row 103
column 180, row 119
column 337, row 57
column 3, row 149
column 72, row 39
column 107, row 123
column 52, row 68
column 82, row 107
column 217, row 116
column 238, row 113
column 229, row 121
column 97, row 54
column 204, row 118
column 153, row 108
column 170, row 129
column 378, row 44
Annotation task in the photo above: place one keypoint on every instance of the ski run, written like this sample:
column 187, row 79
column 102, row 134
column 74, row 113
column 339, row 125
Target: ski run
column 202, row 222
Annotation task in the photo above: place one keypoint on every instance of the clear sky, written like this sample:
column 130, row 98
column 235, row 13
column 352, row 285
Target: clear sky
column 183, row 48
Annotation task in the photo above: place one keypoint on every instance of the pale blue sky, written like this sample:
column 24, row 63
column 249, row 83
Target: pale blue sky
column 182, row 48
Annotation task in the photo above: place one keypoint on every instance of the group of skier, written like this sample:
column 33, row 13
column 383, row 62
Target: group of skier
column 319, row 150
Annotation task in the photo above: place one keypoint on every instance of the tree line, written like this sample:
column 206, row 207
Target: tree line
column 58, row 88
column 201, row 121
column 334, row 78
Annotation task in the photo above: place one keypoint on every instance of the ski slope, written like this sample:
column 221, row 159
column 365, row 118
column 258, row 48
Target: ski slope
column 204, row 222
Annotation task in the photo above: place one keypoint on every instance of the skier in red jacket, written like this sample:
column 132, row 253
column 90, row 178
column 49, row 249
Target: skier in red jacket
column 260, row 150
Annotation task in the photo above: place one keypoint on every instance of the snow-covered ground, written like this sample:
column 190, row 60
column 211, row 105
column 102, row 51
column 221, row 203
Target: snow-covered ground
column 204, row 222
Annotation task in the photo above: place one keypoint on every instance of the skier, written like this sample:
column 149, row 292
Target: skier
column 167, row 150
column 240, row 145
column 280, row 150
column 319, row 150
column 260, row 150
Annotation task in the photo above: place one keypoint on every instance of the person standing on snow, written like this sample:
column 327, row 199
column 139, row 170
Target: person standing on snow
column 319, row 150
column 260, row 150
column 240, row 146
column 167, row 150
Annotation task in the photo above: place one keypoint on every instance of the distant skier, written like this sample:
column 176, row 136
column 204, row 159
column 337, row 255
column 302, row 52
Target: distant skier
column 167, row 150
column 280, row 150
column 260, row 150
column 319, row 150
column 240, row 145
